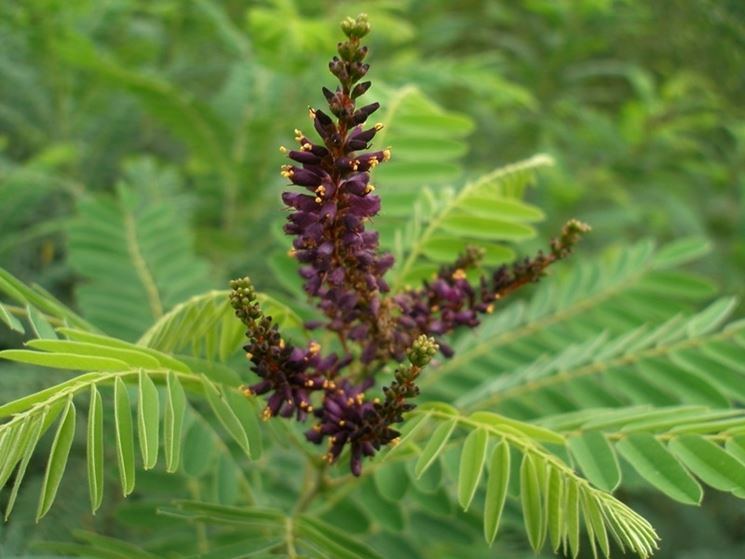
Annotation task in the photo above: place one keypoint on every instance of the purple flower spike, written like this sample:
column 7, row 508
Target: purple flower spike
column 343, row 271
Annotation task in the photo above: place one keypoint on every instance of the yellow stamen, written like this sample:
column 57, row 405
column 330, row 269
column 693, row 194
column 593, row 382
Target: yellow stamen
column 378, row 126
column 306, row 147
column 459, row 274
column 282, row 149
column 292, row 252
column 247, row 392
column 311, row 112
column 489, row 308
column 281, row 343
column 266, row 414
column 386, row 154
column 318, row 200
column 394, row 442
column 249, row 355
column 369, row 188
column 314, row 347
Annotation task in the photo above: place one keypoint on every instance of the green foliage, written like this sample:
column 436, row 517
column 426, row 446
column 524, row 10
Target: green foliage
column 133, row 252
column 617, row 380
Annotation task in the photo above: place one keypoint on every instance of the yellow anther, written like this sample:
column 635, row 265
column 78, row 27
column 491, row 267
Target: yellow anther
column 369, row 188
column 298, row 135
column 489, row 308
column 249, row 355
column 386, row 154
column 350, row 401
column 281, row 343
column 316, row 428
column 314, row 347
column 311, row 112
column 355, row 165
column 282, row 149
column 321, row 190
column 246, row 391
column 378, row 126
column 306, row 147
column 374, row 162
column 342, row 423
column 308, row 408
column 318, row 200
column 359, row 398
column 266, row 414
column 376, row 400
column 292, row 252
column 394, row 442
column 459, row 274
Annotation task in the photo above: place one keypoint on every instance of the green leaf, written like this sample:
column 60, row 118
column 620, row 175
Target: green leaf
column 225, row 414
column 29, row 443
column 173, row 422
column 572, row 518
column 476, row 227
column 39, row 324
column 530, row 497
column 198, row 449
column 434, row 446
column 163, row 359
column 148, row 420
column 554, row 507
column 125, row 444
column 94, row 448
column 392, row 481
column 597, row 459
column 64, row 360
column 536, row 432
column 333, row 540
column 711, row 318
column 496, row 489
column 472, row 460
column 245, row 409
column 595, row 524
column 132, row 357
column 736, row 447
column 681, row 251
column 11, row 321
column 655, row 464
column 57, row 460
column 710, row 462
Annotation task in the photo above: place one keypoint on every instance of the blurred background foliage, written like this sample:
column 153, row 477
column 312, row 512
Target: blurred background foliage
column 162, row 119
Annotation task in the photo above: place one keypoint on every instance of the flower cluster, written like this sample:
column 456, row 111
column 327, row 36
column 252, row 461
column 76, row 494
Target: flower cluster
column 339, row 258
column 289, row 373
column 450, row 301
column 347, row 417
column 343, row 271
